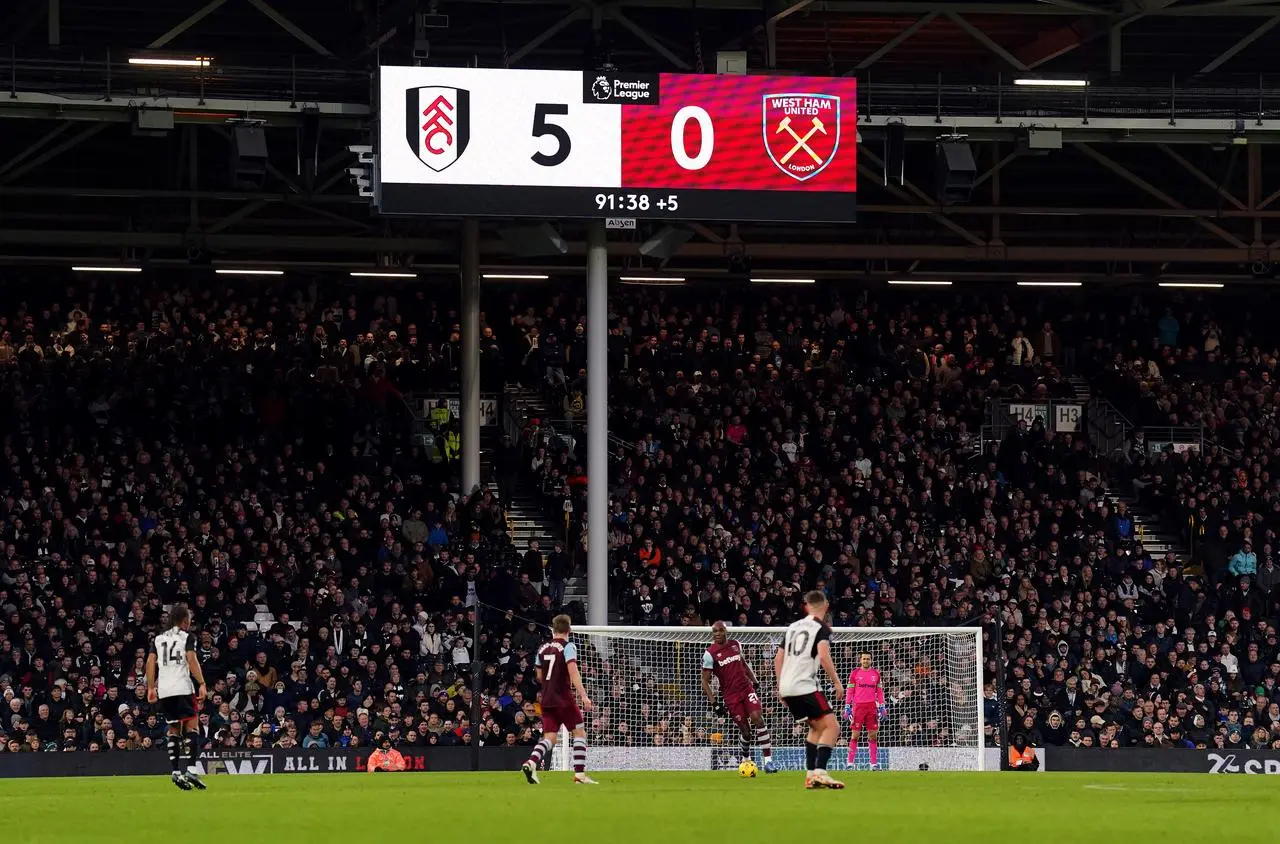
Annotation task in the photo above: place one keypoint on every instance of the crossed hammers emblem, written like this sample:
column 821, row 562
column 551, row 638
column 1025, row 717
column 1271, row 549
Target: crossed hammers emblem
column 802, row 141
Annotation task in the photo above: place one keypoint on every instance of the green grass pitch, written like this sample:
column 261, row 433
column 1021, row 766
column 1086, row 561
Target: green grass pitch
column 670, row 808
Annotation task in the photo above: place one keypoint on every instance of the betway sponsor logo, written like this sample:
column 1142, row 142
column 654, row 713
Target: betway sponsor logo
column 729, row 659
column 1229, row 764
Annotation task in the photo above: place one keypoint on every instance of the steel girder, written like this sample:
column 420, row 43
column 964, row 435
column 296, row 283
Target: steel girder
column 1209, row 204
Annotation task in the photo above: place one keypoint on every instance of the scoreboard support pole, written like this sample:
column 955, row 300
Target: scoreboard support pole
column 597, row 424
column 469, row 400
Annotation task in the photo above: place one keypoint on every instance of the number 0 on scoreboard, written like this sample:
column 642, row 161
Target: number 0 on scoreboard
column 534, row 143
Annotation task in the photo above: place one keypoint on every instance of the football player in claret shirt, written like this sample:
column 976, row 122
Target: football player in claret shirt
column 864, row 706
column 557, row 669
column 724, row 658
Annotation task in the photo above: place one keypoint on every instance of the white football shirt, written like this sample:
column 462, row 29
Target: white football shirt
column 173, row 675
column 800, row 664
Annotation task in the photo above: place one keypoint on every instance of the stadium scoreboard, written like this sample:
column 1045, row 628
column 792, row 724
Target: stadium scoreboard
column 537, row 143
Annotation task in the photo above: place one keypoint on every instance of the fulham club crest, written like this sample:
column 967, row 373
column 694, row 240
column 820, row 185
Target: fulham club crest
column 801, row 132
column 438, row 124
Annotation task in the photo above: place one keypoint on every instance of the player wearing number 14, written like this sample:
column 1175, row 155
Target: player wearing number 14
column 557, row 670
column 176, row 683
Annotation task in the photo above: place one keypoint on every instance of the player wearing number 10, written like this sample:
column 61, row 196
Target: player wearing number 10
column 559, row 678
column 806, row 647
column 171, row 668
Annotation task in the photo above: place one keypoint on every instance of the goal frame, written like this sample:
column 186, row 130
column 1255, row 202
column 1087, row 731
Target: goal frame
column 560, row 759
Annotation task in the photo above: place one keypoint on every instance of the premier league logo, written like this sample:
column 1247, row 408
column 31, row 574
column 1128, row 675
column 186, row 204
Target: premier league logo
column 438, row 122
column 801, row 132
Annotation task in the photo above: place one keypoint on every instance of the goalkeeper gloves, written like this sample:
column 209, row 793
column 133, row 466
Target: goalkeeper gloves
column 848, row 712
column 719, row 708
column 880, row 711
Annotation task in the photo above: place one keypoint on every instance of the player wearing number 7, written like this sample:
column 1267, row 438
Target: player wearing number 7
column 559, row 678
column 864, row 706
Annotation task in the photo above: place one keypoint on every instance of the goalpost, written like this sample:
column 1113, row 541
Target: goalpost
column 651, row 714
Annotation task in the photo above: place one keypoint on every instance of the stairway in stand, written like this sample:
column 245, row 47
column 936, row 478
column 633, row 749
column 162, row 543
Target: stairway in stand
column 1080, row 388
column 526, row 513
column 1156, row 540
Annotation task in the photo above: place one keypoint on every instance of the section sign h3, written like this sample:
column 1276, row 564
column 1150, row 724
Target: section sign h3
column 547, row 143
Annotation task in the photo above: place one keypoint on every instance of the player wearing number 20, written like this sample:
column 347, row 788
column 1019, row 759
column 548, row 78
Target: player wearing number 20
column 724, row 658
column 559, row 678
column 176, row 683
column 864, row 707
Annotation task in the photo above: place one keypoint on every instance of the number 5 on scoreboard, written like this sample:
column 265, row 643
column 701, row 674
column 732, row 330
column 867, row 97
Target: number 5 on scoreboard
column 542, row 127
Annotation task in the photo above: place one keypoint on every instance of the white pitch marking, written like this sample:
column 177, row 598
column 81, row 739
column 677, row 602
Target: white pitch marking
column 1129, row 788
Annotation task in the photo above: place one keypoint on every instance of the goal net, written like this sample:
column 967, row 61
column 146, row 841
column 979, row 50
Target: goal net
column 651, row 714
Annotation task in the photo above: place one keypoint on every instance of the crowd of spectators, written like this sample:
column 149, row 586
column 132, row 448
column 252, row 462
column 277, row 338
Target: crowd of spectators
column 248, row 450
column 778, row 443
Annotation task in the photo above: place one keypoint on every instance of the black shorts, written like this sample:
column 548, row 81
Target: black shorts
column 810, row 707
column 178, row 708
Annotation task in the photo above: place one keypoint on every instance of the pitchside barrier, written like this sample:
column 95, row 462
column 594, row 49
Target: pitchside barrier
column 252, row 762
column 1163, row 761
column 458, row 759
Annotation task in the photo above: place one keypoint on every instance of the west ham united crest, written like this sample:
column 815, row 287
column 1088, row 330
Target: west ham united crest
column 437, row 119
column 801, row 132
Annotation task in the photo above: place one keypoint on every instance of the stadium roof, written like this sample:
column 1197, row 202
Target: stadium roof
column 1167, row 163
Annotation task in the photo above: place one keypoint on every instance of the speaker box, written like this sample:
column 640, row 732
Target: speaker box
column 248, row 157
column 666, row 243
column 956, row 172
column 895, row 151
column 308, row 144
column 533, row 241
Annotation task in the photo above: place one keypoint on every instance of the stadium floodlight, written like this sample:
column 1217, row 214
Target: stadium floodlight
column 157, row 61
column 921, row 282
column 107, row 269
column 515, row 276
column 1201, row 285
column 1051, row 83
column 776, row 280
column 240, row 271
column 1049, row 283
column 651, row 279
column 373, row 274
column 932, row 680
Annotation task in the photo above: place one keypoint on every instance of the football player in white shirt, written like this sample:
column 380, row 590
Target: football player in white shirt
column 806, row 648
column 176, row 683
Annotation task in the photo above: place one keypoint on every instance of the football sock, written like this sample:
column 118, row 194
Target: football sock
column 579, row 756
column 193, row 749
column 810, row 755
column 746, row 747
column 173, row 744
column 765, row 740
column 874, row 747
column 853, row 750
column 823, row 756
column 541, row 749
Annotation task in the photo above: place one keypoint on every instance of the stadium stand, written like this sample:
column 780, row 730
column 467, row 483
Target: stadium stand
column 247, row 450
column 795, row 442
